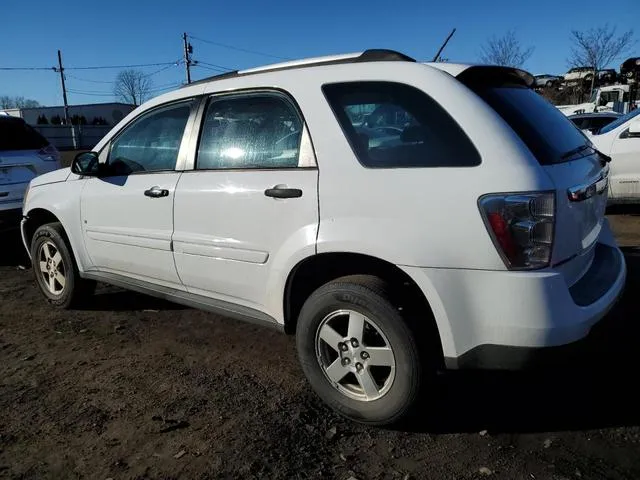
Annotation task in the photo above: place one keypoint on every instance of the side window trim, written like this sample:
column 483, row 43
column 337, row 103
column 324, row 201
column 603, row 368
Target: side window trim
column 306, row 155
column 181, row 159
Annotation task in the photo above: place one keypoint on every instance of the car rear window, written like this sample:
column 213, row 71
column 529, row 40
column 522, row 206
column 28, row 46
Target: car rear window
column 548, row 133
column 393, row 125
column 17, row 135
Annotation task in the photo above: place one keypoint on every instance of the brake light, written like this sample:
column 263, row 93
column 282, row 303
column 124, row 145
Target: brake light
column 521, row 226
column 49, row 154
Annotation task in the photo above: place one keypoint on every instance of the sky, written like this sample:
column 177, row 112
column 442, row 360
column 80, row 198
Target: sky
column 125, row 32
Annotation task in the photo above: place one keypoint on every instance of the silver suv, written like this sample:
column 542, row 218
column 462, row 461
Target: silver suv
column 24, row 154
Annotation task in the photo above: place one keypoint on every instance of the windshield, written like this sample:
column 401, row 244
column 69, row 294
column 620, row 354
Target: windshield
column 619, row 121
column 548, row 133
column 594, row 94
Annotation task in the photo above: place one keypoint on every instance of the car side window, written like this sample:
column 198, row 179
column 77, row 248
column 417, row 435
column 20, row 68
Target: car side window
column 393, row 125
column 151, row 143
column 258, row 130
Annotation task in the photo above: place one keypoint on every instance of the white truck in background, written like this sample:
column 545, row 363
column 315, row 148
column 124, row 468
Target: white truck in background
column 619, row 98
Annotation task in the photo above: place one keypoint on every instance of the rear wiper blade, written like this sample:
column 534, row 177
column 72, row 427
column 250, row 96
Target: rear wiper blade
column 574, row 151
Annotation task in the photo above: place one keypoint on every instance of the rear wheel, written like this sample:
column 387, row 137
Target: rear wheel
column 357, row 351
column 55, row 268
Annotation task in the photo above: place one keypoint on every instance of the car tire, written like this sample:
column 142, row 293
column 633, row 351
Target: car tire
column 549, row 84
column 366, row 300
column 55, row 268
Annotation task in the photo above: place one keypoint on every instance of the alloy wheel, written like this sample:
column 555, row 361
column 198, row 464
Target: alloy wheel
column 52, row 268
column 355, row 355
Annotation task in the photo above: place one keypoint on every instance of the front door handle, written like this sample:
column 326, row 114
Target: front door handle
column 282, row 191
column 156, row 192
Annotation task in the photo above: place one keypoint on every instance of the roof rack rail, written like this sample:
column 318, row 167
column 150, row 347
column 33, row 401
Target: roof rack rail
column 371, row 55
column 384, row 55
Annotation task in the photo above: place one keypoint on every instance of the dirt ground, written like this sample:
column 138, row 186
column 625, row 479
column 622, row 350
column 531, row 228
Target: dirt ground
column 133, row 387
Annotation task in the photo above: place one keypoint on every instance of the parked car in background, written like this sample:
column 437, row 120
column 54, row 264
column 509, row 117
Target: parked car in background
column 578, row 74
column 620, row 140
column 547, row 80
column 603, row 99
column 630, row 69
column 607, row 76
column 468, row 233
column 593, row 122
column 24, row 154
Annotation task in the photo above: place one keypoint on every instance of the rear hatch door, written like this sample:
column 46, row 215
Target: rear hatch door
column 578, row 171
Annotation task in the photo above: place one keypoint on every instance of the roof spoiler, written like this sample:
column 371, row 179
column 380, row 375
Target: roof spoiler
column 493, row 76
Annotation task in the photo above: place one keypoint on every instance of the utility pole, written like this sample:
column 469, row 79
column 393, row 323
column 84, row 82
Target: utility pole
column 188, row 50
column 435, row 59
column 64, row 90
column 67, row 122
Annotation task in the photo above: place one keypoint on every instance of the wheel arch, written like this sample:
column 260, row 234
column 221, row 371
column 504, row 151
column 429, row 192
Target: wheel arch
column 35, row 218
column 317, row 270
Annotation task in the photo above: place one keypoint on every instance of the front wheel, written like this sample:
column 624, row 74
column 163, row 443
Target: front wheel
column 357, row 351
column 55, row 268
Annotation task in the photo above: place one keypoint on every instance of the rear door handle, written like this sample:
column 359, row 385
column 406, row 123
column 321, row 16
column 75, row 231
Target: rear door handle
column 156, row 192
column 282, row 191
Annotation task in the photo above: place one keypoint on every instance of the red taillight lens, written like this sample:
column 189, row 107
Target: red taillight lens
column 503, row 235
column 521, row 226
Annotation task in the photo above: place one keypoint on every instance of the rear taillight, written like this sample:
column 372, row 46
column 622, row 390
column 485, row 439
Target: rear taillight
column 49, row 154
column 521, row 226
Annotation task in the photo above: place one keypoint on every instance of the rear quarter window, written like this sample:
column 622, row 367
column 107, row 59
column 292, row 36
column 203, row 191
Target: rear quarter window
column 393, row 125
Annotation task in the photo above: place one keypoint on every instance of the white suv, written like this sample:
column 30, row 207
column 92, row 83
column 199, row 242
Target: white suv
column 398, row 217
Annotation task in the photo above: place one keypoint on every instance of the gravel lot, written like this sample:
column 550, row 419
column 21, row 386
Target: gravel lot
column 139, row 388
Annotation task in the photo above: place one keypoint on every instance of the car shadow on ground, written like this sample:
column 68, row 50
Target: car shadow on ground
column 112, row 299
column 12, row 251
column 598, row 391
column 630, row 209
column 106, row 298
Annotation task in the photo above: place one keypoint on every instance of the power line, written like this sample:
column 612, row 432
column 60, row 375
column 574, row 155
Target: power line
column 239, row 49
column 113, row 81
column 140, row 65
column 87, row 80
column 174, row 64
column 216, row 70
column 28, row 68
column 219, row 67
column 165, row 86
column 94, row 67
column 94, row 94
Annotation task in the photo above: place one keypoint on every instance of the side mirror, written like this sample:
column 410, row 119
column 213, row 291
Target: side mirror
column 634, row 129
column 86, row 164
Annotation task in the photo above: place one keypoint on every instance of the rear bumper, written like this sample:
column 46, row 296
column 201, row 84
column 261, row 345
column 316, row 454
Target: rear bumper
column 512, row 320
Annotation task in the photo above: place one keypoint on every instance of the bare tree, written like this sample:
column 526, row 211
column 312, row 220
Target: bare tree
column 132, row 86
column 598, row 47
column 17, row 102
column 505, row 50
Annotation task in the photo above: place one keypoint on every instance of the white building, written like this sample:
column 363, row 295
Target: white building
column 111, row 112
